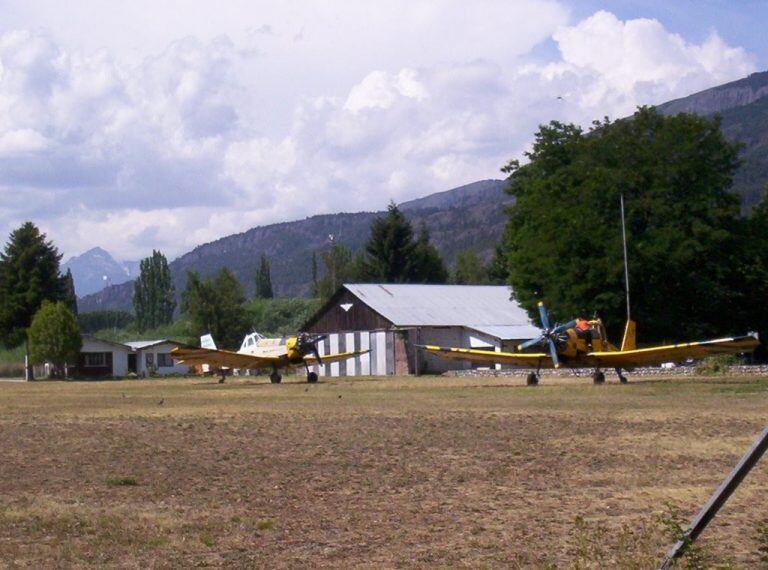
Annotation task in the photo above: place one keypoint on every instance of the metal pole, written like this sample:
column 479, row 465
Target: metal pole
column 718, row 499
column 626, row 264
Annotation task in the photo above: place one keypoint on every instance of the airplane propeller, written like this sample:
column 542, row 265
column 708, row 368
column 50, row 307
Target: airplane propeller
column 308, row 344
column 550, row 336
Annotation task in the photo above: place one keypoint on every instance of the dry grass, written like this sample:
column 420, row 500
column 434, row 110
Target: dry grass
column 400, row 472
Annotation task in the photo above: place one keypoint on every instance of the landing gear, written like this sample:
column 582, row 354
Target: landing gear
column 622, row 378
column 275, row 377
column 311, row 377
column 598, row 377
column 532, row 379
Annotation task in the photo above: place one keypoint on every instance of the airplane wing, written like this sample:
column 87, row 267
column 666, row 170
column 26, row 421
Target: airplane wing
column 519, row 360
column 326, row 358
column 674, row 352
column 220, row 358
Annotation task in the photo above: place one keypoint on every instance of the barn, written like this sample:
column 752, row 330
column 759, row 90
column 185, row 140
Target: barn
column 388, row 319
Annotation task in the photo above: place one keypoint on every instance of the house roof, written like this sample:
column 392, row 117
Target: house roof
column 484, row 308
column 91, row 338
column 141, row 344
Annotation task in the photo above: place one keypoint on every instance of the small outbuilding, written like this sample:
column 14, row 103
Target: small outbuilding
column 388, row 319
column 153, row 357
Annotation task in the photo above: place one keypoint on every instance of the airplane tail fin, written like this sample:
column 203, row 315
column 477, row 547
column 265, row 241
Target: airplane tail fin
column 206, row 341
column 629, row 342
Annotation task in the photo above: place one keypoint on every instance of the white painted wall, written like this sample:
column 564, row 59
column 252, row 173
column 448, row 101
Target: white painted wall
column 164, row 348
column 119, row 353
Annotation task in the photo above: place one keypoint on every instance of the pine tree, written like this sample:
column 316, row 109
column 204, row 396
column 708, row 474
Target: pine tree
column 428, row 266
column 263, row 280
column 54, row 337
column 29, row 275
column 390, row 249
column 154, row 296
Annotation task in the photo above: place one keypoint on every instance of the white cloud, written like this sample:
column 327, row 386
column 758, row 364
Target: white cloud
column 215, row 133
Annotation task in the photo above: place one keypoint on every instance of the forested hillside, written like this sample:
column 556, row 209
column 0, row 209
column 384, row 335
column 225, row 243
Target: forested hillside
column 468, row 217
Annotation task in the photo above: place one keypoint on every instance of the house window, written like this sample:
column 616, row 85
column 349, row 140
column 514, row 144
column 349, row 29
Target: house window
column 164, row 360
column 95, row 359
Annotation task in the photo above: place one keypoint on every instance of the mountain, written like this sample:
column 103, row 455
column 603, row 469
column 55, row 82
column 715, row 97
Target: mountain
column 743, row 108
column 96, row 269
column 468, row 217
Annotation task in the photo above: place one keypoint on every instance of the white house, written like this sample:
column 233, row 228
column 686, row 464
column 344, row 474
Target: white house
column 104, row 359
column 153, row 357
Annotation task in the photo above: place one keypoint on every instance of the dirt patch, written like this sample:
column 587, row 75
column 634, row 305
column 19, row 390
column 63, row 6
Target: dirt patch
column 372, row 473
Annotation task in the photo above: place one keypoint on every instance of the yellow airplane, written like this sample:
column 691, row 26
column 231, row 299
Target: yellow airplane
column 582, row 343
column 257, row 351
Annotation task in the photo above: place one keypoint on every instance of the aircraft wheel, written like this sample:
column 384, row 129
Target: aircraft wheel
column 311, row 377
column 275, row 378
column 598, row 378
column 623, row 379
column 532, row 379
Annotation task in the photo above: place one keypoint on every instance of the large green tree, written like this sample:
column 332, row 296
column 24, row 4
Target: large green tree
column 563, row 241
column 154, row 296
column 754, row 270
column 54, row 337
column 263, row 280
column 216, row 306
column 29, row 275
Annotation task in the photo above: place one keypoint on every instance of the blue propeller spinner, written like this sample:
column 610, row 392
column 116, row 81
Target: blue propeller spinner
column 549, row 337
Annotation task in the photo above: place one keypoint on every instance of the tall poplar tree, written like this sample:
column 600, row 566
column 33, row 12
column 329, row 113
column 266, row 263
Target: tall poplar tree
column 69, row 297
column 263, row 280
column 29, row 275
column 154, row 296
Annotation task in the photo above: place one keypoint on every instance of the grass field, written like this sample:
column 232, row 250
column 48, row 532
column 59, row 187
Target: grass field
column 399, row 472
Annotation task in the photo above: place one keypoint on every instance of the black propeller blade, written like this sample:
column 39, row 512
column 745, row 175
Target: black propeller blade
column 550, row 337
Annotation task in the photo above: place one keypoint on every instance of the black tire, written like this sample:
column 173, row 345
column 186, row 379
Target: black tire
column 598, row 378
column 623, row 379
column 311, row 377
column 532, row 380
column 275, row 378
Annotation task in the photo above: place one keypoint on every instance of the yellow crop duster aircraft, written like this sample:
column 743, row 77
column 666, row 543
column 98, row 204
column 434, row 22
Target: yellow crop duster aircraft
column 582, row 343
column 257, row 351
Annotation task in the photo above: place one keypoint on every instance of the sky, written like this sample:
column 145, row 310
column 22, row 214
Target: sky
column 163, row 125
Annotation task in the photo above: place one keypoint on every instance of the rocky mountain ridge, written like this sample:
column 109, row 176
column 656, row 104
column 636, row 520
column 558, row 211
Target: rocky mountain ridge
column 468, row 217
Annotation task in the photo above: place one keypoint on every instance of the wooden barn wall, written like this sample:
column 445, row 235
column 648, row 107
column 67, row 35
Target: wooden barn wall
column 358, row 317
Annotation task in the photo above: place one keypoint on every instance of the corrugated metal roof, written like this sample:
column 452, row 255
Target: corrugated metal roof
column 472, row 306
column 508, row 332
